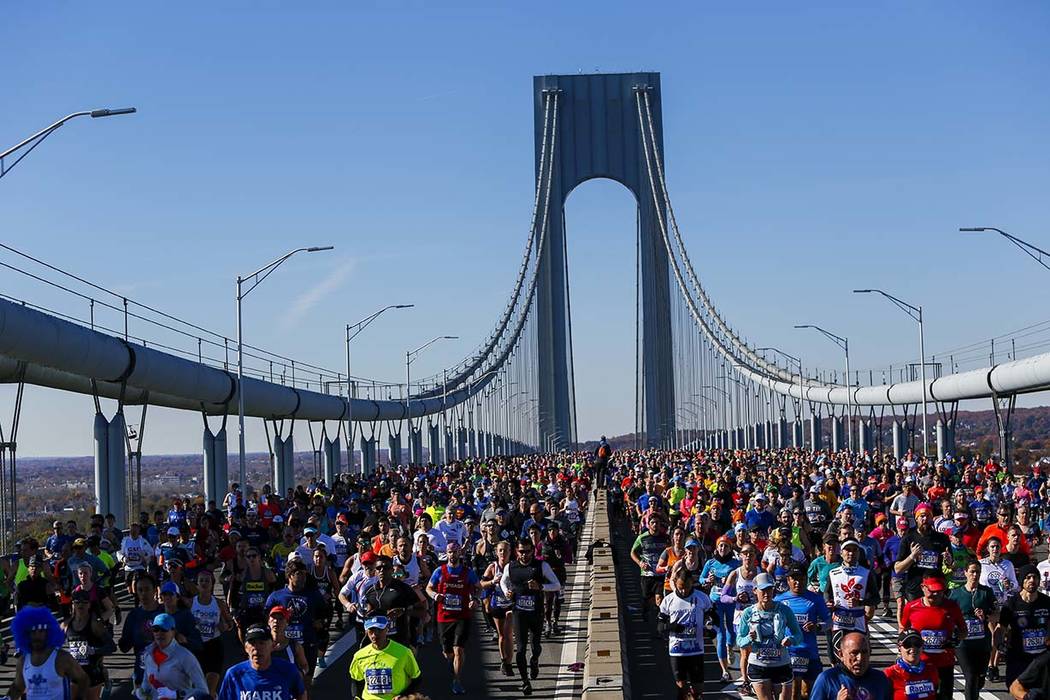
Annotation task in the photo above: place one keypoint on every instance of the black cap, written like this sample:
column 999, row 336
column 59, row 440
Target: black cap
column 908, row 635
column 256, row 633
column 797, row 571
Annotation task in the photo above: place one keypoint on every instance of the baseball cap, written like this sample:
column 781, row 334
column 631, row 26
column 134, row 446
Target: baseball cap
column 278, row 519
column 280, row 611
column 80, row 542
column 934, row 583
column 368, row 557
column 797, row 571
column 376, row 622
column 961, row 516
column 170, row 587
column 173, row 530
column 257, row 633
column 452, row 546
column 692, row 542
column 814, row 489
column 907, row 637
column 310, row 531
column 902, row 522
column 763, row 582
column 850, row 542
column 164, row 621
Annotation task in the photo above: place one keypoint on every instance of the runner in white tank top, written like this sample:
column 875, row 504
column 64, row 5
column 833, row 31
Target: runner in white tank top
column 44, row 682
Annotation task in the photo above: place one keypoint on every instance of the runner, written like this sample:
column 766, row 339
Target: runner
column 940, row 623
column 911, row 677
column 981, row 613
column 812, row 615
column 169, row 669
column 851, row 591
column 454, row 587
column 265, row 674
column 524, row 582
column 1026, row 622
column 383, row 669
column 681, row 617
column 852, row 678
column 766, row 631
column 88, row 640
column 646, row 553
column 212, row 618
column 45, row 671
column 499, row 607
column 713, row 580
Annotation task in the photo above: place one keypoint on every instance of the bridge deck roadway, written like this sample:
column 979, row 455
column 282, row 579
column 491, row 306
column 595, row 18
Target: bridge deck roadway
column 649, row 671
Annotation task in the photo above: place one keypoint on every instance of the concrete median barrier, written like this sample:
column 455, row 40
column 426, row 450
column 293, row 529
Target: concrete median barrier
column 604, row 676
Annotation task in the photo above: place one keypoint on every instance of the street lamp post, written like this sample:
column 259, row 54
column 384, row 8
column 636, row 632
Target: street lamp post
column 257, row 278
column 352, row 331
column 36, row 139
column 916, row 313
column 1034, row 252
column 410, row 357
column 844, row 344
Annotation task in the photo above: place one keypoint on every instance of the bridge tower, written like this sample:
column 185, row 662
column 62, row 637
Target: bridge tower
column 598, row 135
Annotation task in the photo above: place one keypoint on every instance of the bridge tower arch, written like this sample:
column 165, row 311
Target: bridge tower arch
column 598, row 136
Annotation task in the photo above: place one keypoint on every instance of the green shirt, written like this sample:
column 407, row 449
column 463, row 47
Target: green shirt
column 981, row 598
column 385, row 672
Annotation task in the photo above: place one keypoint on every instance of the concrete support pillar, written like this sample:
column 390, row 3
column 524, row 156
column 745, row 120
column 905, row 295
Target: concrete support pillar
column 101, row 428
column 415, row 446
column 393, row 443
column 461, row 444
column 798, row 440
column 489, row 445
column 213, row 490
column 280, row 485
column 816, row 434
column 450, row 446
column 222, row 466
column 838, row 436
column 434, row 443
column 117, row 449
column 332, row 458
column 782, row 434
column 945, row 438
column 864, row 436
column 472, row 443
column 900, row 439
column 368, row 456
column 741, row 437
column 758, row 439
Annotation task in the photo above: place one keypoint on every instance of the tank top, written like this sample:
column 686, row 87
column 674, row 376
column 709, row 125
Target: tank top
column 747, row 587
column 671, row 559
column 43, row 682
column 455, row 590
column 83, row 645
column 253, row 593
column 497, row 599
column 206, row 617
column 323, row 581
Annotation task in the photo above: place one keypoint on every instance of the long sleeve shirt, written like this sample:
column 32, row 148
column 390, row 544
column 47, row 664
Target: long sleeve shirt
column 180, row 672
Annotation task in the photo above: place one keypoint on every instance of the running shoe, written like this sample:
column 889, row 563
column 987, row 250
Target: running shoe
column 726, row 678
column 507, row 669
column 457, row 688
column 526, row 688
column 321, row 663
column 534, row 668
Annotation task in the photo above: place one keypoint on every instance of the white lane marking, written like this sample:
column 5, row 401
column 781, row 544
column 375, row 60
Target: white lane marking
column 342, row 645
column 575, row 609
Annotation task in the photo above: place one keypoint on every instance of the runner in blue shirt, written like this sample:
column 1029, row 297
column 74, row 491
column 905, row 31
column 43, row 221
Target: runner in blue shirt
column 813, row 616
column 853, row 672
column 262, row 675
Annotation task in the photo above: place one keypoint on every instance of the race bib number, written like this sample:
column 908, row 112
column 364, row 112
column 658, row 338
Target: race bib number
column 933, row 640
column 974, row 628
column 917, row 690
column 769, row 653
column 379, row 680
column 80, row 651
column 800, row 664
column 844, row 619
column 294, row 633
column 1033, row 641
column 802, row 618
column 686, row 642
column 573, row 516
column 453, row 602
column 525, row 603
column 929, row 560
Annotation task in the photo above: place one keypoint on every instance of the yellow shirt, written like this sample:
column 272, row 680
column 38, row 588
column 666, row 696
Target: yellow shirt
column 386, row 672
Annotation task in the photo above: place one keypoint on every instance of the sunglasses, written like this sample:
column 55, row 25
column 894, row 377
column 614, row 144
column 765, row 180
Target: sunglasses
column 912, row 644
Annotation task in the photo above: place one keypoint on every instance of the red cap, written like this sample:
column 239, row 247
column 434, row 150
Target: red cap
column 281, row 611
column 368, row 557
column 923, row 507
column 934, row 583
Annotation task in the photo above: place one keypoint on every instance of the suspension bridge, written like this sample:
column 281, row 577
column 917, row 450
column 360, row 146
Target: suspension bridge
column 698, row 380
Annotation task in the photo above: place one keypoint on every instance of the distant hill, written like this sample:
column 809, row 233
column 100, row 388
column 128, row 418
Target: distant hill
column 976, row 431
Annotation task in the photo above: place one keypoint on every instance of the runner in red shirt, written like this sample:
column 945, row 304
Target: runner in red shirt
column 911, row 677
column 940, row 623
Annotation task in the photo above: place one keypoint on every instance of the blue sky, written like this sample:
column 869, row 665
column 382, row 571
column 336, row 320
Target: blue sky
column 811, row 148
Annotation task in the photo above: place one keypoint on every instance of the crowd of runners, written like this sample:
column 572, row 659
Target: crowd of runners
column 783, row 560
column 787, row 557
column 407, row 557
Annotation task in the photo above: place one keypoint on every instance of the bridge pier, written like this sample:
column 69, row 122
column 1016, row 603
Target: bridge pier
column 434, row 442
column 216, row 467
column 900, row 440
column 393, row 443
column 284, row 468
column 368, row 456
column 864, row 436
column 945, row 438
column 110, row 480
column 331, row 458
column 450, row 446
column 489, row 445
column 415, row 445
column 472, row 443
column 816, row 435
column 782, row 434
column 797, row 439
column 461, row 444
column 838, row 442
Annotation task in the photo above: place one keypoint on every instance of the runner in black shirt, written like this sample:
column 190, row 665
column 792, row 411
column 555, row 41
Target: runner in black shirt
column 395, row 600
column 923, row 551
column 1026, row 618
